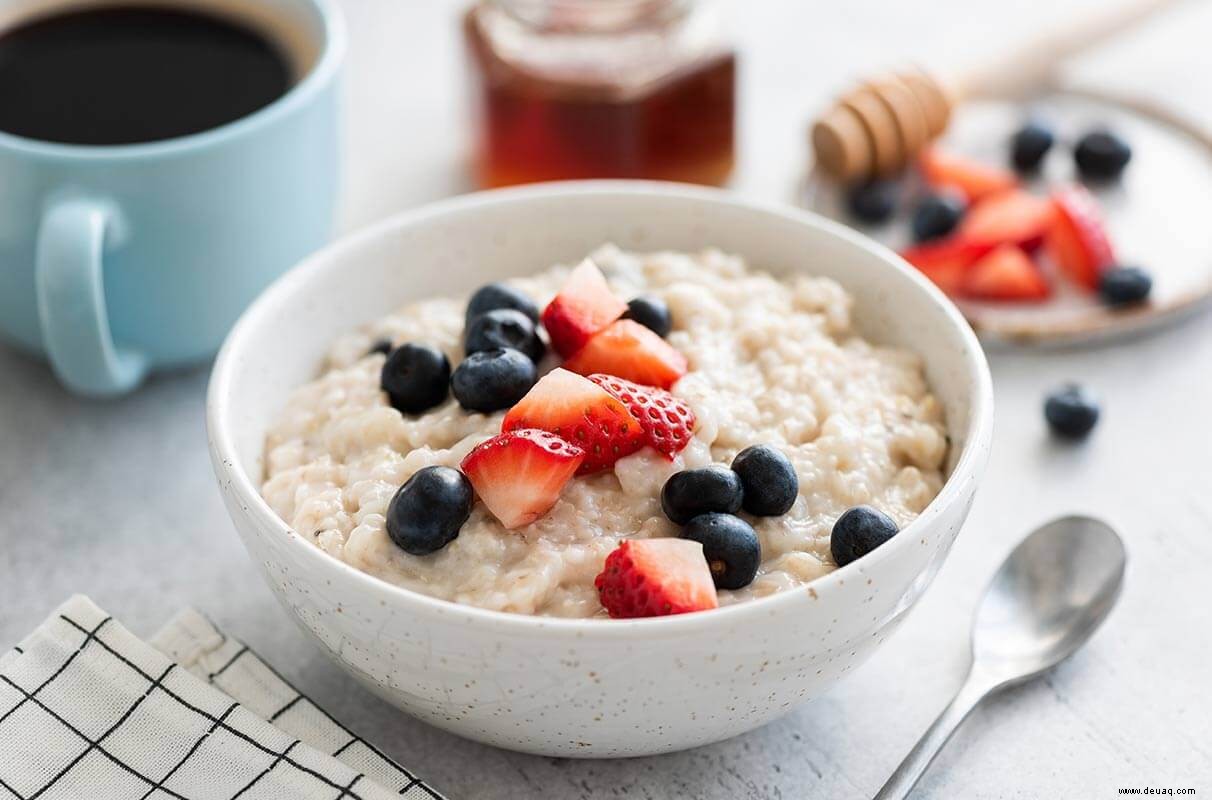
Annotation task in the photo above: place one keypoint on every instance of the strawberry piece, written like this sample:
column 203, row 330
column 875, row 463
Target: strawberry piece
column 1012, row 217
column 581, row 412
column 1006, row 273
column 972, row 178
column 946, row 261
column 667, row 421
column 655, row 577
column 584, row 306
column 630, row 351
column 519, row 475
column 1077, row 239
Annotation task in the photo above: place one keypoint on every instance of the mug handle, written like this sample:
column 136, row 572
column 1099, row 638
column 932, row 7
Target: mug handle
column 71, row 301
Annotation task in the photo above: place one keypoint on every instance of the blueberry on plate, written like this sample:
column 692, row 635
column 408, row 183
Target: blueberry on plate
column 731, row 546
column 1071, row 411
column 769, row 481
column 500, row 295
column 873, row 202
column 936, row 216
column 1029, row 145
column 491, row 380
column 415, row 377
column 381, row 346
column 1101, row 155
column 652, row 313
column 426, row 513
column 503, row 327
column 1125, row 286
column 699, row 491
column 857, row 532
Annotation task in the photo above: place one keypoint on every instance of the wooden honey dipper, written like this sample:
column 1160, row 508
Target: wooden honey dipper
column 878, row 128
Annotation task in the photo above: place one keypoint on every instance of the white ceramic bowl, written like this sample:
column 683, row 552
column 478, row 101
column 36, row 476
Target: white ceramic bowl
column 586, row 687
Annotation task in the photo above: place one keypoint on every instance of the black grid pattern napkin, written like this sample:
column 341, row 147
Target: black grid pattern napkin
column 88, row 710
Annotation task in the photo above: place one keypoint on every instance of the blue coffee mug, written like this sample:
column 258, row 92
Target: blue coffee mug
column 116, row 260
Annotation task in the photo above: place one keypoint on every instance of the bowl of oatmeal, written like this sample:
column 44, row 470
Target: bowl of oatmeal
column 600, row 469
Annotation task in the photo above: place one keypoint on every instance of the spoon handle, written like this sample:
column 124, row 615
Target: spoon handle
column 914, row 766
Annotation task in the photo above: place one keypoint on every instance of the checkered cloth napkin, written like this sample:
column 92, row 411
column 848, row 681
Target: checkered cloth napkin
column 90, row 712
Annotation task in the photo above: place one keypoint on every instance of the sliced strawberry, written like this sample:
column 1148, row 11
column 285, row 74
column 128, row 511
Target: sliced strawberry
column 655, row 577
column 946, row 261
column 1012, row 217
column 667, row 421
column 974, row 179
column 582, row 412
column 584, row 306
column 630, row 351
column 519, row 475
column 1077, row 239
column 1006, row 273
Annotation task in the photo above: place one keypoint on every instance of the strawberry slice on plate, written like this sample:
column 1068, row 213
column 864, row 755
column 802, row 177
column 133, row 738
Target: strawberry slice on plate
column 630, row 351
column 1006, row 273
column 972, row 178
column 519, row 475
column 581, row 412
column 584, row 306
column 946, row 261
column 1077, row 239
column 667, row 420
column 1011, row 217
column 656, row 577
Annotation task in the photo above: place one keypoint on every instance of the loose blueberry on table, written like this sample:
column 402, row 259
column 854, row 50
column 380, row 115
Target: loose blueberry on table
column 1101, row 155
column 415, row 377
column 1125, row 286
column 858, row 531
column 937, row 215
column 427, row 512
column 873, row 202
column 730, row 546
column 1071, row 412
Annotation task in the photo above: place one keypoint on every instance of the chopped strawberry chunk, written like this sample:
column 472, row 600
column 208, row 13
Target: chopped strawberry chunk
column 1077, row 239
column 630, row 351
column 667, row 421
column 946, row 261
column 584, row 306
column 972, row 178
column 519, row 475
column 1012, row 217
column 656, row 577
column 581, row 412
column 1006, row 273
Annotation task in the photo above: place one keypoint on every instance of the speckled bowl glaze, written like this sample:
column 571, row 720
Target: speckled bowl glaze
column 587, row 687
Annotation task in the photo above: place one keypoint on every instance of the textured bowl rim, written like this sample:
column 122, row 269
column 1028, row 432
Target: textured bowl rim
column 267, row 523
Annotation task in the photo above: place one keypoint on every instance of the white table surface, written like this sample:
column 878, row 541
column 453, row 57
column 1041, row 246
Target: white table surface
column 116, row 499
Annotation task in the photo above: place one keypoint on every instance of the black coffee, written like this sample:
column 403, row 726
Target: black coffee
column 124, row 74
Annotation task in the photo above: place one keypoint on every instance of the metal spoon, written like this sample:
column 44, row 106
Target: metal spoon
column 1050, row 594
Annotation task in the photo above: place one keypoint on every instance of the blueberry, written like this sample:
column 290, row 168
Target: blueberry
column 415, row 377
column 857, row 532
column 381, row 346
column 769, row 481
column 698, row 491
column 651, row 312
column 937, row 215
column 1029, row 145
column 1101, row 155
column 499, row 295
column 491, row 380
column 1124, row 286
column 503, row 327
column 731, row 546
column 1071, row 411
column 427, row 512
column 873, row 202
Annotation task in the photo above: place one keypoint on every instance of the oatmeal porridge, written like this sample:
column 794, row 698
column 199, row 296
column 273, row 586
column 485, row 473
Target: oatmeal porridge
column 748, row 359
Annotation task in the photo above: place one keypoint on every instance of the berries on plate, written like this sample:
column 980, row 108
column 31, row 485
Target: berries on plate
column 946, row 261
column 1125, row 286
column 651, row 312
column 768, row 479
column 1005, row 273
column 1071, row 411
column 500, row 295
column 667, row 420
column 584, row 306
column 1101, row 155
column 730, row 546
column 857, row 532
column 692, row 492
column 503, row 327
column 582, row 412
column 519, row 475
column 971, row 178
column 628, row 350
column 426, row 513
column 1012, row 217
column 874, row 201
column 491, row 380
column 1029, row 145
column 415, row 377
column 937, row 215
column 654, row 578
column 1077, row 239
